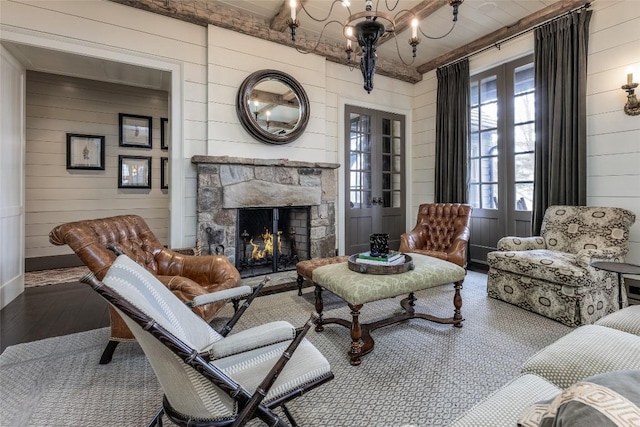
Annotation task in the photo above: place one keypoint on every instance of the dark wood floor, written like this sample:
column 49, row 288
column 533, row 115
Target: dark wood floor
column 51, row 311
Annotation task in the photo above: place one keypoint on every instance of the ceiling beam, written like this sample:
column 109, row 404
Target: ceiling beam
column 421, row 11
column 210, row 13
column 503, row 33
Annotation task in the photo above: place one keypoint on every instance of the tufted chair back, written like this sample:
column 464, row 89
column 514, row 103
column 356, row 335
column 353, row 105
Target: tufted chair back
column 89, row 240
column 442, row 231
column 574, row 228
column 441, row 223
column 187, row 276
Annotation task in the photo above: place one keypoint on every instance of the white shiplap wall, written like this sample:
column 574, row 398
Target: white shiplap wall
column 57, row 105
column 119, row 33
column 613, row 138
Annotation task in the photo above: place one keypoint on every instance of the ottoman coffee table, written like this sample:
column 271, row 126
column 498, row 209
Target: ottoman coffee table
column 357, row 289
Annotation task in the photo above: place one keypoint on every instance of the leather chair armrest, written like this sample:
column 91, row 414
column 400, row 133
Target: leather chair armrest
column 412, row 240
column 215, row 272
column 186, row 289
column 511, row 243
column 457, row 252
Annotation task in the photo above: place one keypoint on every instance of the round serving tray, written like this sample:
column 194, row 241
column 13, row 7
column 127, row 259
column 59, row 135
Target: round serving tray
column 380, row 269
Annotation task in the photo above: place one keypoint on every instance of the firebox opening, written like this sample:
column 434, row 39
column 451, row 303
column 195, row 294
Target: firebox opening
column 271, row 239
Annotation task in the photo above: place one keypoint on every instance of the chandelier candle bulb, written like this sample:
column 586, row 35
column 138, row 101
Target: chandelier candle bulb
column 292, row 3
column 414, row 28
column 630, row 78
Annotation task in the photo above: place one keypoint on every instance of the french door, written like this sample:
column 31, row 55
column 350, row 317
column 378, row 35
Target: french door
column 501, row 154
column 375, row 177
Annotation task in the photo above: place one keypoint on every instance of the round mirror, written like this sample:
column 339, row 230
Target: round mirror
column 272, row 107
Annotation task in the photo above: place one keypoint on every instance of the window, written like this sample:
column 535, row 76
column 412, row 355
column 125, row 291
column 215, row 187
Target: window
column 502, row 140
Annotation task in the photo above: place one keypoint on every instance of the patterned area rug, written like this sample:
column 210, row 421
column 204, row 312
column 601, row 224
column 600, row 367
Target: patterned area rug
column 419, row 373
column 54, row 277
column 73, row 274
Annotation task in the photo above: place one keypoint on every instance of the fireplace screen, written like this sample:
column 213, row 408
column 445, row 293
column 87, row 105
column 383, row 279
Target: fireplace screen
column 271, row 240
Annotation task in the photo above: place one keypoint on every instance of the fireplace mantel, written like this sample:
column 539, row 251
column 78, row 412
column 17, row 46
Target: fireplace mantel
column 226, row 184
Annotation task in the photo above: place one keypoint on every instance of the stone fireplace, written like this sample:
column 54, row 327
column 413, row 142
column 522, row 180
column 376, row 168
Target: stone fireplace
column 230, row 188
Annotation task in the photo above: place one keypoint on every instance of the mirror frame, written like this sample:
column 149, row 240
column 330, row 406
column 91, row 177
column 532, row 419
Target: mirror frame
column 246, row 117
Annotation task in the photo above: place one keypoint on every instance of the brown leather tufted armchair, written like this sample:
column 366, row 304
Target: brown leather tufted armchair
column 442, row 231
column 187, row 276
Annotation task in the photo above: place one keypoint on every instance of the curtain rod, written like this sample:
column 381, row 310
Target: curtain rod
column 528, row 30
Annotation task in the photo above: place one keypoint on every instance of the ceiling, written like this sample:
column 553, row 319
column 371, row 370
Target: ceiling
column 480, row 24
column 476, row 18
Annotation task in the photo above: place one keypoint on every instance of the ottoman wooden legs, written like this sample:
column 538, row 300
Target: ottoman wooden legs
column 361, row 340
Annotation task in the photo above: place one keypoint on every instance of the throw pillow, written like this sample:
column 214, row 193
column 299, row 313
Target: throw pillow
column 609, row 399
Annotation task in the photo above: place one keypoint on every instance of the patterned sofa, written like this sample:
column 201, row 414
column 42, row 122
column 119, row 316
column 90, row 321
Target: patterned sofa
column 589, row 377
column 551, row 274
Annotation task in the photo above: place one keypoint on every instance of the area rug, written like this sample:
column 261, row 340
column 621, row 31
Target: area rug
column 419, row 373
column 54, row 277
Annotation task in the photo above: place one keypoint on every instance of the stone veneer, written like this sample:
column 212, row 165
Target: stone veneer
column 226, row 184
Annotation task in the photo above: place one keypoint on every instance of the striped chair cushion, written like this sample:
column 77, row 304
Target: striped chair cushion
column 504, row 406
column 249, row 368
column 587, row 351
column 626, row 320
column 143, row 290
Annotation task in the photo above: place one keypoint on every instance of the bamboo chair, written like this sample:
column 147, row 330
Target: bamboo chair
column 207, row 378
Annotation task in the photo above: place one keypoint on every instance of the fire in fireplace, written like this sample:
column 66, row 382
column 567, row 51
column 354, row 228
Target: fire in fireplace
column 271, row 239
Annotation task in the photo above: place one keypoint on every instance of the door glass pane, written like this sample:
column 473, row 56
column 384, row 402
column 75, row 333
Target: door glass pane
column 386, row 127
column 397, row 164
column 524, row 164
column 489, row 169
column 397, row 199
column 489, row 196
column 386, row 163
column 474, row 119
column 524, row 108
column 474, row 98
column 489, row 143
column 386, row 145
column 524, row 79
column 474, row 145
column 488, row 89
column 360, row 161
column 474, row 170
column 489, row 116
column 397, row 146
column 525, row 137
column 474, row 195
column 397, row 128
column 524, row 196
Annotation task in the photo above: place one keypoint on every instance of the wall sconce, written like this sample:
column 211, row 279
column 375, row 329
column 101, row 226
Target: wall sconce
column 632, row 107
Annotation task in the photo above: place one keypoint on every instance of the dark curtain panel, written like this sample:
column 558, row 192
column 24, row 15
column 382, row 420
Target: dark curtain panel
column 452, row 132
column 560, row 58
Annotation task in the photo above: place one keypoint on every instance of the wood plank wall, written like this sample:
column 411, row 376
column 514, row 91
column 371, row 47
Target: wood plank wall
column 57, row 105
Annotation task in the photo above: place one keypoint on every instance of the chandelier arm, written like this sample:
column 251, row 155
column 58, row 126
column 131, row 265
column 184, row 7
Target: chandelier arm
column 395, row 38
column 333, row 21
column 328, row 14
column 439, row 37
column 391, row 9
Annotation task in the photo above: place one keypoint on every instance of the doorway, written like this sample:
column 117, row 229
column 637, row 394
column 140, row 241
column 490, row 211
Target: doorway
column 375, row 179
column 501, row 154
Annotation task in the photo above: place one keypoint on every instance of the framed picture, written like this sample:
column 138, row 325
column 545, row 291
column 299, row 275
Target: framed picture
column 135, row 131
column 164, row 172
column 85, row 151
column 164, row 133
column 135, row 172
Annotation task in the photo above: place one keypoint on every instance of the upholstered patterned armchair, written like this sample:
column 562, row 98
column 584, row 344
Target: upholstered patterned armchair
column 187, row 276
column 442, row 231
column 551, row 274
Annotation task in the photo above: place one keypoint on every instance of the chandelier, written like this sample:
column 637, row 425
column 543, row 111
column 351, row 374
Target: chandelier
column 366, row 28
